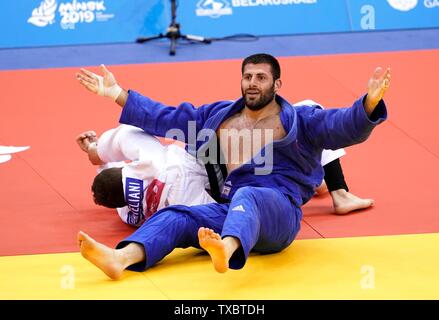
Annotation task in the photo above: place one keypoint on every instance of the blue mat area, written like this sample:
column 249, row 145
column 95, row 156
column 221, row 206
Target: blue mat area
column 158, row 50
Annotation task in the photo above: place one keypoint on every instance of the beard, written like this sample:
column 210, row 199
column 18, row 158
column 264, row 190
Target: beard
column 257, row 103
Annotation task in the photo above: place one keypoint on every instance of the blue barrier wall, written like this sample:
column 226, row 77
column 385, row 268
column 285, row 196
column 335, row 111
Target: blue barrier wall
column 27, row 23
column 217, row 18
column 393, row 14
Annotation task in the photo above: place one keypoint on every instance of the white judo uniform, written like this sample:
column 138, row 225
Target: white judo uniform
column 156, row 176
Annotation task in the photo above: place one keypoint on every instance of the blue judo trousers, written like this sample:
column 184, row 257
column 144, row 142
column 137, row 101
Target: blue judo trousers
column 263, row 219
column 263, row 211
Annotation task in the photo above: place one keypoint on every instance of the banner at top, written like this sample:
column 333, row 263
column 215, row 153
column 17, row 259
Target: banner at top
column 64, row 22
column 393, row 14
column 219, row 18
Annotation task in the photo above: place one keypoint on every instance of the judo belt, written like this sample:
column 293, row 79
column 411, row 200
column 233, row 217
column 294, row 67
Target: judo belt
column 216, row 172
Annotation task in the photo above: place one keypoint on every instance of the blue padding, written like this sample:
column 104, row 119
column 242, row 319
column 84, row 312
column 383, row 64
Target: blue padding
column 157, row 50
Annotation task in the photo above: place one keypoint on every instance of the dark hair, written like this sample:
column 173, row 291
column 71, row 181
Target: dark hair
column 263, row 58
column 107, row 188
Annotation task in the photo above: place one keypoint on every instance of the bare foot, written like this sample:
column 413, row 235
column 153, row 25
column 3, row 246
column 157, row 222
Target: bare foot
column 345, row 202
column 110, row 261
column 212, row 243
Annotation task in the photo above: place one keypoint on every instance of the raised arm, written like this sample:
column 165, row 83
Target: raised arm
column 105, row 85
column 153, row 117
column 338, row 128
column 376, row 88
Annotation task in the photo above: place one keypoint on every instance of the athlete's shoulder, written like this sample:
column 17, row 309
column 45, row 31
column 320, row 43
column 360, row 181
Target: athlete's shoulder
column 211, row 109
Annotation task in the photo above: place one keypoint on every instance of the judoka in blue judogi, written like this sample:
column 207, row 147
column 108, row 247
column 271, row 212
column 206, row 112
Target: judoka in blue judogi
column 259, row 194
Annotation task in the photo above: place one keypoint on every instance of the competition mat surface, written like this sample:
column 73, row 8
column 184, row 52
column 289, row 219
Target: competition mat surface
column 390, row 251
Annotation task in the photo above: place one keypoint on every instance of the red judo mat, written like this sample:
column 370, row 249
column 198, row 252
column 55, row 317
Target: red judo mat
column 45, row 191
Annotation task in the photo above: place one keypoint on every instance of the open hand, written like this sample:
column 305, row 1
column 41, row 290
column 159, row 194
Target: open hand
column 376, row 87
column 105, row 85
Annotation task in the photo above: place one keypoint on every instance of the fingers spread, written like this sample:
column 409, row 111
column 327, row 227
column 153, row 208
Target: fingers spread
column 387, row 78
column 86, row 79
column 377, row 72
column 92, row 87
column 88, row 73
column 104, row 69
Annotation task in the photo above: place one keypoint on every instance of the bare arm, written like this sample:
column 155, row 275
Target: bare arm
column 154, row 117
column 122, row 98
column 342, row 127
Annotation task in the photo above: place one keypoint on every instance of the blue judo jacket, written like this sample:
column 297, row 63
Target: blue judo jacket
column 295, row 167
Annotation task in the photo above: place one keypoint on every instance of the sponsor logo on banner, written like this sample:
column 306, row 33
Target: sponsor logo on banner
column 431, row 4
column 71, row 13
column 213, row 8
column 217, row 8
column 256, row 3
column 403, row 5
column 44, row 14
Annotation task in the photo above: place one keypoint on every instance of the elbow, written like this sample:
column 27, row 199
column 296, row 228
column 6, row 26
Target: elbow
column 363, row 136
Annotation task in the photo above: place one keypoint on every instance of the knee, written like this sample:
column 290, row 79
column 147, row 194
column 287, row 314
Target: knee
column 172, row 221
column 168, row 216
column 255, row 192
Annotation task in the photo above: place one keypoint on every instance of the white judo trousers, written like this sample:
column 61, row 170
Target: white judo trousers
column 144, row 160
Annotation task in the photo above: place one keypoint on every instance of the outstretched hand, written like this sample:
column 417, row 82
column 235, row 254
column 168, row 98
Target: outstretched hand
column 376, row 88
column 105, row 85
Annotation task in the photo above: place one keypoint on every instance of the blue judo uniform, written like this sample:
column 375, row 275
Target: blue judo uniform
column 262, row 211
